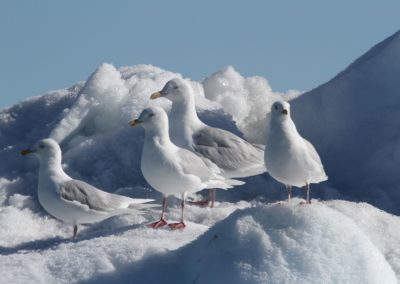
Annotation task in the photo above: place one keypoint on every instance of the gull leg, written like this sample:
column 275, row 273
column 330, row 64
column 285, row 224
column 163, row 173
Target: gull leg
column 289, row 190
column 213, row 192
column 162, row 221
column 75, row 232
column 204, row 203
column 307, row 189
column 181, row 224
column 308, row 201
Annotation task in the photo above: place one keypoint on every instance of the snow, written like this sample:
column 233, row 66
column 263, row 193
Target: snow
column 232, row 243
column 247, row 238
column 361, row 147
column 287, row 243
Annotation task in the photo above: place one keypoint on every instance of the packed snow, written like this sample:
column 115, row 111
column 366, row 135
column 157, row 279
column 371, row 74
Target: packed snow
column 247, row 238
column 354, row 121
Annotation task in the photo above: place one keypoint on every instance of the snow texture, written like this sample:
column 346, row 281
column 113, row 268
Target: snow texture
column 352, row 121
column 361, row 105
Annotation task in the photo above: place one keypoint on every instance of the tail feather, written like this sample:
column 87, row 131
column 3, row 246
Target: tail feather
column 139, row 206
column 224, row 183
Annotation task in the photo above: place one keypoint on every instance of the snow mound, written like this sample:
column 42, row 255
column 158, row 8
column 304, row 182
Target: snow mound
column 286, row 243
column 102, row 252
column 353, row 121
column 247, row 99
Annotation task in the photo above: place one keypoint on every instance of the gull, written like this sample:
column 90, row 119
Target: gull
column 74, row 201
column 233, row 156
column 170, row 169
column 290, row 158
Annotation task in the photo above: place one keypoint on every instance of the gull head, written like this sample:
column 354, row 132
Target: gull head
column 44, row 149
column 175, row 90
column 151, row 117
column 280, row 110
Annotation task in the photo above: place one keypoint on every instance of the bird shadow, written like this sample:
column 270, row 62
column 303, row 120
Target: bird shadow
column 36, row 245
column 51, row 243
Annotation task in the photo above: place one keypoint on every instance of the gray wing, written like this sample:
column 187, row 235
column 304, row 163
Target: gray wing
column 226, row 150
column 193, row 165
column 86, row 194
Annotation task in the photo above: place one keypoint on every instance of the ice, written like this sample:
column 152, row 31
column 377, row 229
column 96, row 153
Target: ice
column 247, row 99
column 352, row 121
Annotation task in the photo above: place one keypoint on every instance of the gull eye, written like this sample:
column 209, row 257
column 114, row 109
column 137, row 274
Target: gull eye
column 276, row 107
column 41, row 146
column 151, row 115
column 176, row 87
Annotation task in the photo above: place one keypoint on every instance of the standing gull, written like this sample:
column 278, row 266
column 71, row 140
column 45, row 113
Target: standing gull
column 75, row 201
column 170, row 169
column 290, row 158
column 233, row 156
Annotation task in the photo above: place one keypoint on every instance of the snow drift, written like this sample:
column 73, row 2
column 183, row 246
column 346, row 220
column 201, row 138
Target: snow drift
column 257, row 243
column 287, row 243
column 354, row 121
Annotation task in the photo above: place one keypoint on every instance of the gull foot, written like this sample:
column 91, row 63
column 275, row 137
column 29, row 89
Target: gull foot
column 202, row 203
column 157, row 224
column 305, row 202
column 175, row 226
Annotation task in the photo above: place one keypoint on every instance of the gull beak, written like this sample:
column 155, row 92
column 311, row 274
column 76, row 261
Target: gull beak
column 27, row 152
column 156, row 95
column 135, row 122
column 284, row 111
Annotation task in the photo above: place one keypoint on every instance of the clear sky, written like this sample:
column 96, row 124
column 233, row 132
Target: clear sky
column 47, row 45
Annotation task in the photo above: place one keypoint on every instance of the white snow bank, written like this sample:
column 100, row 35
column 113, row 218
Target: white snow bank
column 354, row 120
column 276, row 243
column 382, row 228
column 247, row 99
column 286, row 243
column 90, row 120
column 265, row 243
column 102, row 250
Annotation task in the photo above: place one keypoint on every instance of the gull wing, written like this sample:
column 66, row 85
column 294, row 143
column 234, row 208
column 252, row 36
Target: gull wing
column 96, row 199
column 228, row 151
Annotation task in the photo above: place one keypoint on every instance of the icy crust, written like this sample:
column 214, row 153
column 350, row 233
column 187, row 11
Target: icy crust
column 276, row 243
column 353, row 121
column 326, row 242
column 90, row 121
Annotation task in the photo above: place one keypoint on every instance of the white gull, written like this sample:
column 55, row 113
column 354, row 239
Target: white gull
column 74, row 201
column 170, row 169
column 290, row 158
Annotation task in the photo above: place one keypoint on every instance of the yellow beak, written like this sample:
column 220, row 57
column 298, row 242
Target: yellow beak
column 156, row 95
column 27, row 152
column 135, row 122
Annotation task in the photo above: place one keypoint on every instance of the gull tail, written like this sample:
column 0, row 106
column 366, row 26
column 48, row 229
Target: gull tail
column 224, row 183
column 139, row 206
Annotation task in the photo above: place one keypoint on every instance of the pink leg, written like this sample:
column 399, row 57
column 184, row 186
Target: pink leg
column 75, row 232
column 181, row 224
column 289, row 189
column 162, row 221
column 212, row 192
column 308, row 200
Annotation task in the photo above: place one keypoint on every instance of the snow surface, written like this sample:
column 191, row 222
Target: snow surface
column 257, row 243
column 248, row 241
column 361, row 105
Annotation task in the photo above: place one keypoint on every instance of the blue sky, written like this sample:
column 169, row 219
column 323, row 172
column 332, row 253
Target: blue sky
column 47, row 45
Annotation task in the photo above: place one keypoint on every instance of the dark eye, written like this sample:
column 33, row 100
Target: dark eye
column 276, row 107
column 176, row 87
column 41, row 146
column 151, row 115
